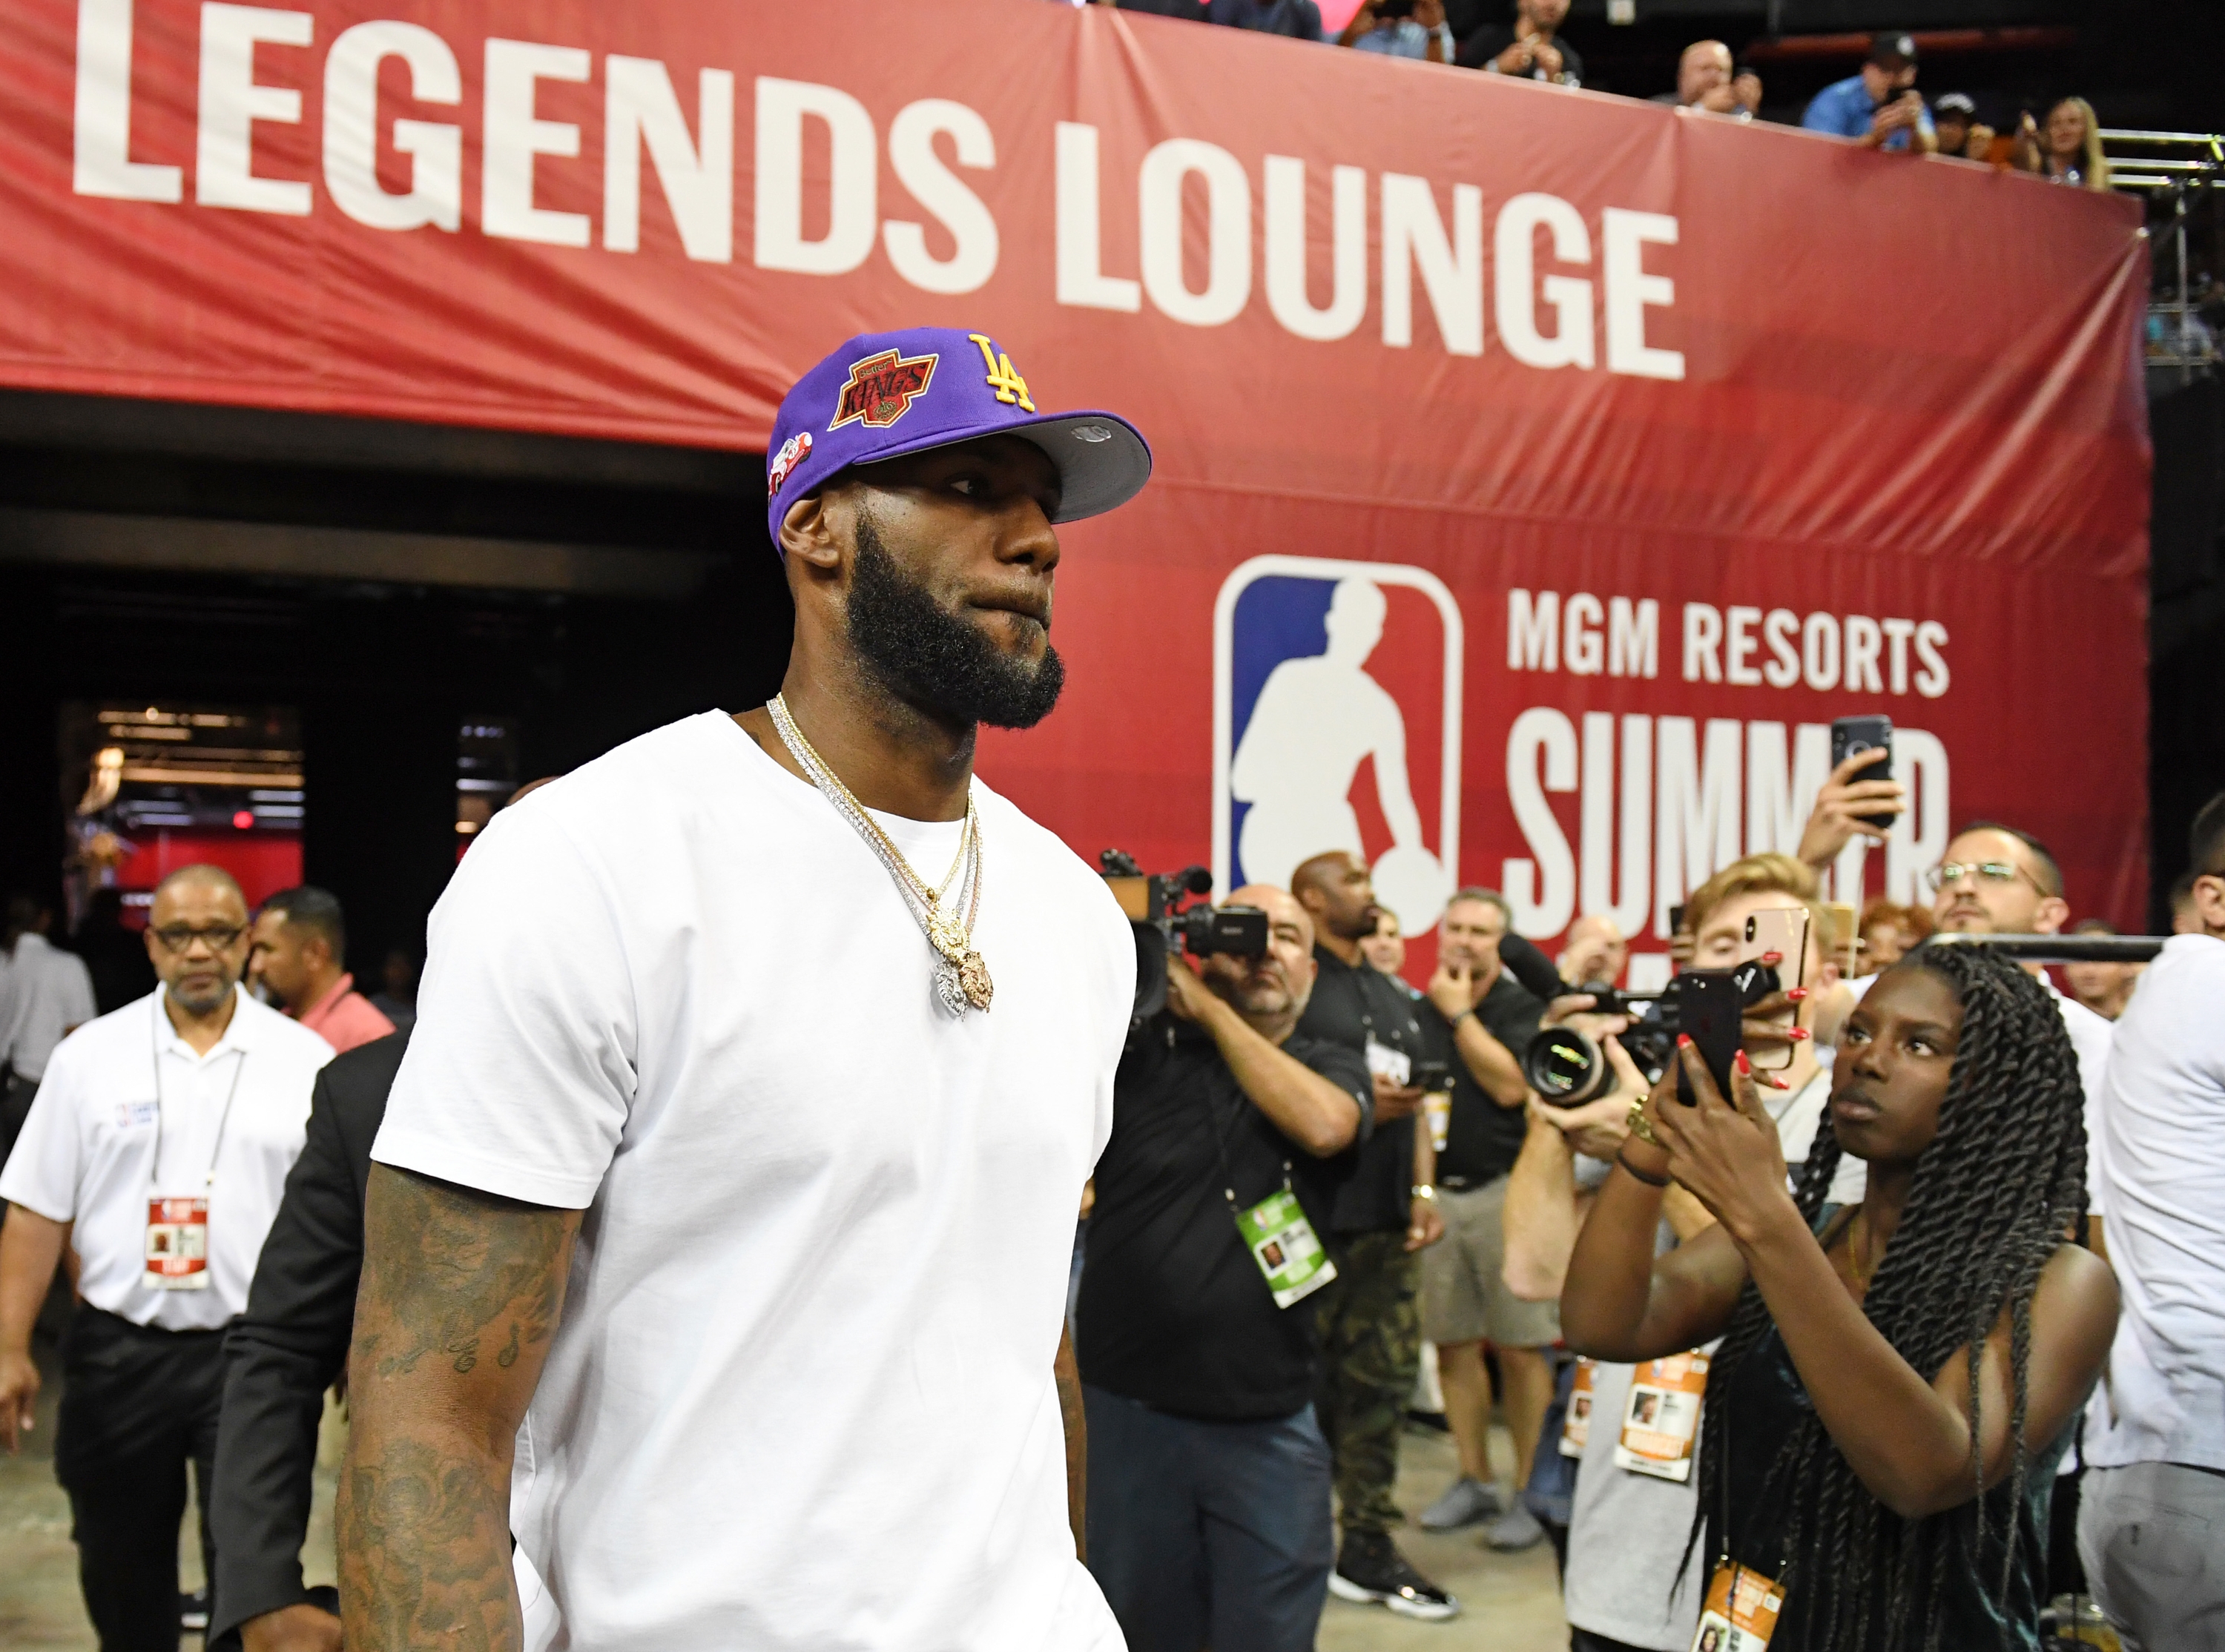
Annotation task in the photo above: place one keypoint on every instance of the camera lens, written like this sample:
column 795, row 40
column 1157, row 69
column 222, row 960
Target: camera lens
column 1566, row 1068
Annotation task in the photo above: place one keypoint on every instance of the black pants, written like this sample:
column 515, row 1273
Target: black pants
column 137, row 1405
column 15, row 1094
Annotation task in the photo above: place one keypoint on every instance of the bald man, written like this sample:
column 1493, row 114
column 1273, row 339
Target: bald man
column 1208, row 1515
column 157, row 1149
column 1593, row 952
column 1704, row 74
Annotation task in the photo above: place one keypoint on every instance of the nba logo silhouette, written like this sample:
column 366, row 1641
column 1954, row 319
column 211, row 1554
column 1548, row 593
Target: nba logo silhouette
column 1336, row 703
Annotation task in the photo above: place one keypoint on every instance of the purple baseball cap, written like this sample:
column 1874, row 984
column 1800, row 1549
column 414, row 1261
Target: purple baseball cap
column 886, row 394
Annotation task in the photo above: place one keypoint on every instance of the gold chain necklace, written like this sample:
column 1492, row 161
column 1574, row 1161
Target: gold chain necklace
column 961, row 979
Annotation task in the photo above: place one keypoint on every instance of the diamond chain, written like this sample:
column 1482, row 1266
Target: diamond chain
column 961, row 979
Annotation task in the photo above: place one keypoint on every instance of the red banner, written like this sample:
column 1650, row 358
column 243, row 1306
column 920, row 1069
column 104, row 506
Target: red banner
column 1538, row 472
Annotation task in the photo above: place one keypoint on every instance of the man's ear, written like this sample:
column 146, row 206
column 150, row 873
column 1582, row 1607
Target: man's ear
column 2210, row 902
column 807, row 532
column 2053, row 909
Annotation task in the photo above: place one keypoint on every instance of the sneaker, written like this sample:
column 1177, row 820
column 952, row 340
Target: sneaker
column 193, row 1613
column 1370, row 1572
column 1468, row 1502
column 1516, row 1529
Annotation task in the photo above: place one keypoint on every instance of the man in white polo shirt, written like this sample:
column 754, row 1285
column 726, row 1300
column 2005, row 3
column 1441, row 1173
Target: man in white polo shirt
column 45, row 994
column 2151, row 1527
column 157, row 1149
column 758, row 1070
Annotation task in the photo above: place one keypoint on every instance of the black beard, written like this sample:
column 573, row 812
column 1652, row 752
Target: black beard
column 931, row 658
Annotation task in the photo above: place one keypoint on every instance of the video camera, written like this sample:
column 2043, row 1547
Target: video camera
column 1166, row 916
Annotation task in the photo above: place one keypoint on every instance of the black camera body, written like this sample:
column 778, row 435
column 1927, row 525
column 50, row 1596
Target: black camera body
column 1567, row 1067
column 1168, row 914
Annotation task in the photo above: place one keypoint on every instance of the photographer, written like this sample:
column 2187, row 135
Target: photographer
column 1623, row 1540
column 1208, row 1495
column 1413, row 29
column 1626, row 1529
column 1896, row 1380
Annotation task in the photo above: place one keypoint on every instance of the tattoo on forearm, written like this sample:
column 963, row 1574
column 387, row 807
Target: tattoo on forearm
column 459, row 1273
column 423, row 1513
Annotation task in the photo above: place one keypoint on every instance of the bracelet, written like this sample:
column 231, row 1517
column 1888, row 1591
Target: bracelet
column 1465, row 1014
column 1631, row 1170
column 1422, row 1190
column 1639, row 1125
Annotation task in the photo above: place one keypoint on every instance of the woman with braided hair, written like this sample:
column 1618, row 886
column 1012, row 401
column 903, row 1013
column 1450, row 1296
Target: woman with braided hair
column 1897, row 1380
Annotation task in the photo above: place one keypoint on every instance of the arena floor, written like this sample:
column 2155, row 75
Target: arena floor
column 1513, row 1600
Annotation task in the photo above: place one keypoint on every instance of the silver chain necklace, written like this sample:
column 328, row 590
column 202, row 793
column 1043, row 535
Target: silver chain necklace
column 961, row 979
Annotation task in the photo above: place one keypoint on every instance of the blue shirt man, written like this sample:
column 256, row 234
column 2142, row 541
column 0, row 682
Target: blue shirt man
column 1877, row 107
column 1404, row 37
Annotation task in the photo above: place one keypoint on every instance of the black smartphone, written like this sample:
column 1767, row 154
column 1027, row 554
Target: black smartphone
column 1432, row 1077
column 1710, row 1003
column 1852, row 736
column 1675, row 917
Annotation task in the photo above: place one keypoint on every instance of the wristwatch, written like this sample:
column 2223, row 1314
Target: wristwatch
column 1422, row 1190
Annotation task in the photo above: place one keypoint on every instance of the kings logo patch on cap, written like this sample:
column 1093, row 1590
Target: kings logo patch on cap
column 881, row 389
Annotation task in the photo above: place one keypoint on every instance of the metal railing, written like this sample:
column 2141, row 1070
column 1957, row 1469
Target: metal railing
column 2175, row 170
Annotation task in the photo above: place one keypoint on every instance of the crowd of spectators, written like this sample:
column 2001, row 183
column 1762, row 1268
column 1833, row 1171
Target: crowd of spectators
column 1879, row 106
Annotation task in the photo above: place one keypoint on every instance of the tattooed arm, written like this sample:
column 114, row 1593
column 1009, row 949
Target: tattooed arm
column 1068, row 1376
column 461, row 1291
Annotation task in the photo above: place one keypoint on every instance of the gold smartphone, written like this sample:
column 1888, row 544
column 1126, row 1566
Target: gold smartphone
column 1782, row 930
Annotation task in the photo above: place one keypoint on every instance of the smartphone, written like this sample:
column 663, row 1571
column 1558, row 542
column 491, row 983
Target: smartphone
column 1675, row 917
column 1785, row 932
column 1842, row 939
column 1432, row 1077
column 1709, row 1005
column 1850, row 736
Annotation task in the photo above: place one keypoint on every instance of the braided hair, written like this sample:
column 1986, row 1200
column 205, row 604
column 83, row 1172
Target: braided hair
column 1997, row 1192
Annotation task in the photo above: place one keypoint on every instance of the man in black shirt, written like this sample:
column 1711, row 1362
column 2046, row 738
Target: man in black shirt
column 281, row 1355
column 1532, row 48
column 1371, row 1327
column 1465, row 1299
column 1209, row 1486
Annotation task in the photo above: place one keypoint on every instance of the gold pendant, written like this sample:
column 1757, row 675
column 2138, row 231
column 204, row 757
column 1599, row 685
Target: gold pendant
column 946, row 937
column 973, row 977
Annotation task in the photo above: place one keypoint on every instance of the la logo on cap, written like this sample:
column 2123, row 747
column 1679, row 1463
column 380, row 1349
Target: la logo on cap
column 881, row 389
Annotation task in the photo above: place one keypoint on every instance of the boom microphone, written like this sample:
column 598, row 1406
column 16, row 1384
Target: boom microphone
column 1531, row 968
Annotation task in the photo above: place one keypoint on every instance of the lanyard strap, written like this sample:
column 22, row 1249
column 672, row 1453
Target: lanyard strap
column 1220, row 1134
column 239, row 1065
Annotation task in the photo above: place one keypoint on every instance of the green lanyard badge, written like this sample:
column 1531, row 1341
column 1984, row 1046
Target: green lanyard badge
column 1282, row 1243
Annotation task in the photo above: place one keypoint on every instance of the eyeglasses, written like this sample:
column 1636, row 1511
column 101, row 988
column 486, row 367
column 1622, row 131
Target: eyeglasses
column 178, row 937
column 1986, row 871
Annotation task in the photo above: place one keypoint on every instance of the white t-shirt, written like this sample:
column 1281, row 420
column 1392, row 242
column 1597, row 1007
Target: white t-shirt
column 44, row 991
column 802, row 1395
column 88, row 1152
column 2164, row 1124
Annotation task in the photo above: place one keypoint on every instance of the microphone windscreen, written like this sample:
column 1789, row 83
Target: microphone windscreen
column 1531, row 968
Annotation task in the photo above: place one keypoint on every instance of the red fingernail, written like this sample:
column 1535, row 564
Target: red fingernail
column 1796, row 993
column 1743, row 1066
column 1772, row 957
column 1797, row 1032
column 1684, row 1042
